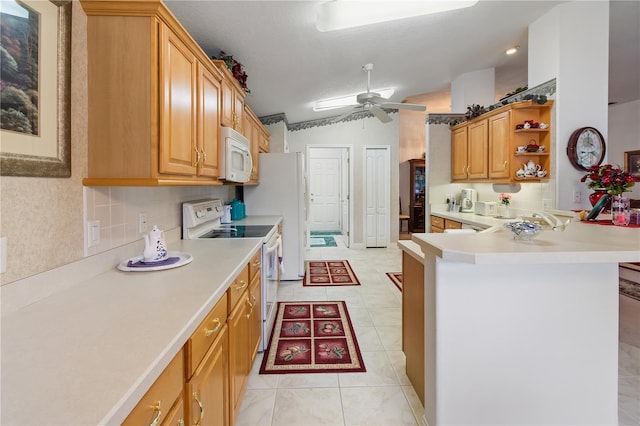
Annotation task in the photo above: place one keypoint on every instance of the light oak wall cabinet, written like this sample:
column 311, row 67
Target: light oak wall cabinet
column 485, row 149
column 153, row 98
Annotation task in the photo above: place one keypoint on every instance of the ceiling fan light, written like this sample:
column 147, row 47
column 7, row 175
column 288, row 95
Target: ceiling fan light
column 337, row 15
column 344, row 101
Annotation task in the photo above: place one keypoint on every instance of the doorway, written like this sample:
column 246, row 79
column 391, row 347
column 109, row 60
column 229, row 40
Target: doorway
column 377, row 194
column 330, row 186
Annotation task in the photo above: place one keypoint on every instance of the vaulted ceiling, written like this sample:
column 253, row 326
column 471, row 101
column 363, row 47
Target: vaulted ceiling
column 290, row 64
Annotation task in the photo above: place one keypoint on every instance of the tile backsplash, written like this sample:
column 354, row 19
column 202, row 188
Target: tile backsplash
column 118, row 210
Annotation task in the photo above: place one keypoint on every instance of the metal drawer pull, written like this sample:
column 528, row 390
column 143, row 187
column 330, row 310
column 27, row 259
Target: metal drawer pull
column 214, row 329
column 242, row 286
column 256, row 262
column 197, row 156
column 252, row 305
column 195, row 396
column 156, row 407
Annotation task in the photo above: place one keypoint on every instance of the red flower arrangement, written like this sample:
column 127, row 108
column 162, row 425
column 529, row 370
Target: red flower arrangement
column 236, row 69
column 609, row 177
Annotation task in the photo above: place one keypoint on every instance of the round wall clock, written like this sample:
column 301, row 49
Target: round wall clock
column 586, row 148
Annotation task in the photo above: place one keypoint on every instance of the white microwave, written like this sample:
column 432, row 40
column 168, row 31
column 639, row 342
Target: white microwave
column 235, row 156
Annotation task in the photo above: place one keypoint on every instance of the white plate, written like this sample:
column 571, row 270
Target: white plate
column 184, row 259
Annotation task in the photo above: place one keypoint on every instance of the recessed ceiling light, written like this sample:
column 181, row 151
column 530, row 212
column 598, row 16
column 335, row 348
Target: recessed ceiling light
column 512, row 50
column 349, row 100
column 337, row 15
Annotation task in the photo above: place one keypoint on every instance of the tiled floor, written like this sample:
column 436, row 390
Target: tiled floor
column 383, row 395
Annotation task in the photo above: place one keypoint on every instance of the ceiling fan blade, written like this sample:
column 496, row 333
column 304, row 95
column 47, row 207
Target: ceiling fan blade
column 412, row 107
column 380, row 114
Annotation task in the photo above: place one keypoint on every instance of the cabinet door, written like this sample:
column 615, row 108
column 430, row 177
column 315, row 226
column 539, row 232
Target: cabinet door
column 160, row 397
column 413, row 321
column 176, row 415
column 264, row 141
column 227, row 104
column 178, row 118
column 255, row 317
column 459, row 154
column 238, row 110
column 208, row 389
column 208, row 122
column 239, row 356
column 499, row 145
column 478, row 145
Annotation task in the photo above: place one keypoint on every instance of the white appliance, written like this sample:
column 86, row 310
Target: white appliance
column 282, row 191
column 468, row 198
column 201, row 220
column 486, row 208
column 235, row 156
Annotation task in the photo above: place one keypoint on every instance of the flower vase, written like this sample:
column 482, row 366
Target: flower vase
column 505, row 211
column 620, row 210
column 594, row 197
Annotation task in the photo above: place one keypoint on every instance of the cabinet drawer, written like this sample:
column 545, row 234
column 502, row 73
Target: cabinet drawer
column 161, row 395
column 238, row 288
column 204, row 336
column 452, row 224
column 254, row 264
column 437, row 222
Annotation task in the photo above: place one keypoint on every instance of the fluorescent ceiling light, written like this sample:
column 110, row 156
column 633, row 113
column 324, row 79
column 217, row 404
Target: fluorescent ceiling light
column 340, row 14
column 345, row 101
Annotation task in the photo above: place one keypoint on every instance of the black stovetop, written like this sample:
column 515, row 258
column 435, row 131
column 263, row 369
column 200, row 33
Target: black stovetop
column 240, row 231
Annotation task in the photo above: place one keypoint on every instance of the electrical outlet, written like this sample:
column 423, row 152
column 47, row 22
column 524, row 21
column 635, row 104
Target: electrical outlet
column 142, row 223
column 577, row 196
column 547, row 204
column 93, row 233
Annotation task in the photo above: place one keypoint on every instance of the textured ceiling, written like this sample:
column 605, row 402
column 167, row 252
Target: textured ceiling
column 290, row 64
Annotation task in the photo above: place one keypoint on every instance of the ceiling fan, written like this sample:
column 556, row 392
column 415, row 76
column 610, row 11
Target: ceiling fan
column 374, row 102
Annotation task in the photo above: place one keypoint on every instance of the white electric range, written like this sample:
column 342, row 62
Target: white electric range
column 201, row 220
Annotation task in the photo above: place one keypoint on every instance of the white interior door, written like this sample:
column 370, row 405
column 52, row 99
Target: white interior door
column 377, row 181
column 325, row 193
column 344, row 196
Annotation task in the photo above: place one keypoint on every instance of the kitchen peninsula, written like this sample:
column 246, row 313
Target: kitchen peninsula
column 523, row 332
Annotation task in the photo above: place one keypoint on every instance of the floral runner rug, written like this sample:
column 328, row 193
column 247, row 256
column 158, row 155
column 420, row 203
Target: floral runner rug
column 312, row 337
column 329, row 273
column 396, row 278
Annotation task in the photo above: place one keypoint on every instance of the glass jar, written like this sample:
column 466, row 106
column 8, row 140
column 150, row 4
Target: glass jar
column 620, row 210
column 635, row 217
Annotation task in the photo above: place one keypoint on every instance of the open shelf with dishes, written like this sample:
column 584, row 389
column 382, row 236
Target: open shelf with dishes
column 531, row 147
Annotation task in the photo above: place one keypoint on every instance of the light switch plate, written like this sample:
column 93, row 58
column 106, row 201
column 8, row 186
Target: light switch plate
column 93, row 233
column 3, row 255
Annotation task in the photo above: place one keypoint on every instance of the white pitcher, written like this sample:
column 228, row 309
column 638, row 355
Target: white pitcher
column 155, row 249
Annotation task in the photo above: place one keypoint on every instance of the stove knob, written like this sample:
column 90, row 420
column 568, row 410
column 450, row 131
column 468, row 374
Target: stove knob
column 218, row 208
column 199, row 213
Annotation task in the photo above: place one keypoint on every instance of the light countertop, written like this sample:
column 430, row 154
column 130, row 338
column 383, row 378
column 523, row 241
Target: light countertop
column 88, row 353
column 579, row 243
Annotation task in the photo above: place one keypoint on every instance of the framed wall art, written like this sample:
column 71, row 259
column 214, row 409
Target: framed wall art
column 35, row 88
column 632, row 163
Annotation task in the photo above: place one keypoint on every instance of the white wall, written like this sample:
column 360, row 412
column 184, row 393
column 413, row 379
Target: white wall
column 476, row 87
column 358, row 133
column 624, row 135
column 559, row 44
